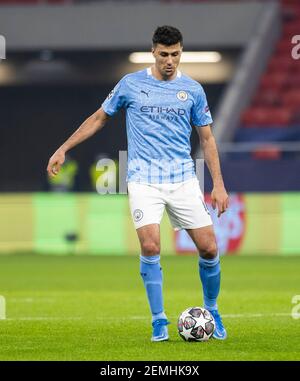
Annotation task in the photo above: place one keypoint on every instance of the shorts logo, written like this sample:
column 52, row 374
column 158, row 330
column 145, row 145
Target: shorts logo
column 182, row 95
column 138, row 215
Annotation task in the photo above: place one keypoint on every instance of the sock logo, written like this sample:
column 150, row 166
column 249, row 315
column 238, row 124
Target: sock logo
column 138, row 215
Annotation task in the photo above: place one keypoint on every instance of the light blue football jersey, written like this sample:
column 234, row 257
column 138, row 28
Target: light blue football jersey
column 159, row 120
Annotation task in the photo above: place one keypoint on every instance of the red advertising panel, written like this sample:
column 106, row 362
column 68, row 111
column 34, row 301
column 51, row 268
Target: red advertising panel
column 229, row 228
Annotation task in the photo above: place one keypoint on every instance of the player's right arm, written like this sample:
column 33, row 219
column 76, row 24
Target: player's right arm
column 88, row 128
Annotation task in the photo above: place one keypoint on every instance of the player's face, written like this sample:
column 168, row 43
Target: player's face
column 167, row 58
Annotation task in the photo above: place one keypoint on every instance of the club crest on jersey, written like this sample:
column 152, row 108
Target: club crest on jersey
column 182, row 95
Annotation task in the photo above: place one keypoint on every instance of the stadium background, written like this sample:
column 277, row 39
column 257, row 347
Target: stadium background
column 62, row 59
column 57, row 73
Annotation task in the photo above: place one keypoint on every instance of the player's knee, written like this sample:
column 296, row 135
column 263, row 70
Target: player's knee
column 150, row 248
column 210, row 251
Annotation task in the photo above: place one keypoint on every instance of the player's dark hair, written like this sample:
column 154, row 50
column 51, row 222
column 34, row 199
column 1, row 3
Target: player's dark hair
column 167, row 35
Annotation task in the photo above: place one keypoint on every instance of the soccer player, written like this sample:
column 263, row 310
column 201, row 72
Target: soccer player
column 162, row 105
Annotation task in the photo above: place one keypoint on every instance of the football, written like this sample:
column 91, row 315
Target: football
column 196, row 324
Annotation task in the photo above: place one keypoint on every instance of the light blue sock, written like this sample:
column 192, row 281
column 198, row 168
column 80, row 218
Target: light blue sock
column 152, row 276
column 210, row 275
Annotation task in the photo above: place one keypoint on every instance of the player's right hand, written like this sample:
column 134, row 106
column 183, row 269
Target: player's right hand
column 55, row 162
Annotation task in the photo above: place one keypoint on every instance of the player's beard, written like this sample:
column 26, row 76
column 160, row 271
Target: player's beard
column 168, row 72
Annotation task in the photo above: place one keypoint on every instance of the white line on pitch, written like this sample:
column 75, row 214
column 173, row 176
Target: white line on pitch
column 32, row 300
column 31, row 318
column 56, row 318
column 256, row 315
column 233, row 316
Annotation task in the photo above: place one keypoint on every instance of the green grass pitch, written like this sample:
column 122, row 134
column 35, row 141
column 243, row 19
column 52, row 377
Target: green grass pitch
column 94, row 308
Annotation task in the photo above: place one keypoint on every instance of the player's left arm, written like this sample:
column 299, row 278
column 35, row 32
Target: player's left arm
column 219, row 195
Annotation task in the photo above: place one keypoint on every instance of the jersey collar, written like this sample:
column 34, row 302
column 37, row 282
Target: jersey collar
column 149, row 72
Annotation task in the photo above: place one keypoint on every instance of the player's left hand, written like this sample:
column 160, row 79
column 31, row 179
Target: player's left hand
column 220, row 199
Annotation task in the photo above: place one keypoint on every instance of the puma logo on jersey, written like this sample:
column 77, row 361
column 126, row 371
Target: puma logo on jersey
column 145, row 92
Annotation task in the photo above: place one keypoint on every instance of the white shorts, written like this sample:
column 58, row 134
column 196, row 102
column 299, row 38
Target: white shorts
column 183, row 201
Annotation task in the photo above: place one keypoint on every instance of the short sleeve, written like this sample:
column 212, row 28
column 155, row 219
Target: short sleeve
column 200, row 113
column 116, row 99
